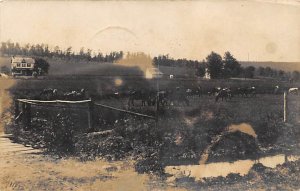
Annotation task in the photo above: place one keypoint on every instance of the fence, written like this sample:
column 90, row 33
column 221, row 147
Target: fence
column 23, row 109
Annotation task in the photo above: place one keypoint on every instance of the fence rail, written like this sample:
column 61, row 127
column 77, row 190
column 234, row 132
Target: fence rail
column 125, row 111
column 54, row 101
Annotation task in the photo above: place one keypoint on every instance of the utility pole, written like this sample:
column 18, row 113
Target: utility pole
column 157, row 96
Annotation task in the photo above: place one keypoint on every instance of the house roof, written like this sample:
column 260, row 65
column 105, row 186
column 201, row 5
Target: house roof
column 20, row 59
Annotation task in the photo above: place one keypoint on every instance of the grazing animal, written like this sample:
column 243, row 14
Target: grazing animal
column 74, row 95
column 251, row 91
column 223, row 94
column 214, row 91
column 49, row 94
column 276, row 89
column 189, row 92
column 178, row 96
column 246, row 92
column 138, row 95
column 199, row 91
column 294, row 91
column 194, row 92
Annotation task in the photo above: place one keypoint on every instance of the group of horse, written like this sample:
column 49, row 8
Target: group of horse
column 170, row 96
column 228, row 93
column 164, row 97
column 54, row 94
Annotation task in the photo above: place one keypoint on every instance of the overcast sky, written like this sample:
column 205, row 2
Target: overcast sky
column 183, row 29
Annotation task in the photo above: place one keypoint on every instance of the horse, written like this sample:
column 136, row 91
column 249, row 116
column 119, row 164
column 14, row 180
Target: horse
column 178, row 96
column 74, row 95
column 138, row 95
column 246, row 92
column 293, row 91
column 189, row 92
column 193, row 92
column 163, row 97
column 251, row 91
column 224, row 93
column 276, row 89
column 214, row 91
column 198, row 91
column 49, row 94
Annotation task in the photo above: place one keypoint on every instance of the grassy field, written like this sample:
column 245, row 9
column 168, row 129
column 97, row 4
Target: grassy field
column 183, row 133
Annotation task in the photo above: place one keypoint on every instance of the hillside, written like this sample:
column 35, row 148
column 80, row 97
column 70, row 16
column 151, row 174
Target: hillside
column 286, row 66
column 71, row 67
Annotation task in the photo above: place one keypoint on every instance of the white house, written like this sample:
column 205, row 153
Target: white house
column 22, row 66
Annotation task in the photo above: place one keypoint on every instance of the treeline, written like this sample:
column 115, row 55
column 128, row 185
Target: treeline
column 214, row 64
column 219, row 67
column 43, row 50
column 165, row 60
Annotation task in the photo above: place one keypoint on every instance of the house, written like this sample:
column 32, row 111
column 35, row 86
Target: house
column 22, row 66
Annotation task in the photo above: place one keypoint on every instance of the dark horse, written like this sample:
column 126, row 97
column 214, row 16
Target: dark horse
column 246, row 92
column 224, row 94
column 48, row 94
column 178, row 96
column 214, row 91
column 138, row 95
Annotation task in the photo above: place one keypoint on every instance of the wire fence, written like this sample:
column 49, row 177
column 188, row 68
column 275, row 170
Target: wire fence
column 23, row 110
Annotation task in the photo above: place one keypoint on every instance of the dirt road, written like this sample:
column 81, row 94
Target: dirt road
column 23, row 168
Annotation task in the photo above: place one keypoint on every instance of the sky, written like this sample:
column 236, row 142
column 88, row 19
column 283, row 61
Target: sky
column 258, row 30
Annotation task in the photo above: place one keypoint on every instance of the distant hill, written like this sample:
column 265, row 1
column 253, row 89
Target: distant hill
column 286, row 66
column 71, row 67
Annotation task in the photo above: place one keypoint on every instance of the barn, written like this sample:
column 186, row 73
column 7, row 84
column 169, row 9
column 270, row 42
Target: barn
column 22, row 66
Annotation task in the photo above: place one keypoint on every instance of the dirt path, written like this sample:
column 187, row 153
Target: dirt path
column 24, row 168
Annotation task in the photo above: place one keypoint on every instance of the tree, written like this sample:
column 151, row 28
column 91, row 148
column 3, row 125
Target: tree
column 56, row 51
column 268, row 71
column 261, row 71
column 232, row 68
column 296, row 75
column 68, row 52
column 215, row 65
column 200, row 70
column 41, row 66
column 281, row 74
column 3, row 48
column 249, row 72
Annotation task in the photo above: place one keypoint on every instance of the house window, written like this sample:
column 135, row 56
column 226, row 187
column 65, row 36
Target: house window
column 28, row 65
column 18, row 65
column 23, row 65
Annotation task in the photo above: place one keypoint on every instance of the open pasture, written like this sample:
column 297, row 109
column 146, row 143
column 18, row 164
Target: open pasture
column 183, row 134
column 181, row 129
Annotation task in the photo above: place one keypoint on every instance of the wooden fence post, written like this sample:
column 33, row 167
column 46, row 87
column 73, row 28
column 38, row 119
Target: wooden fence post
column 157, row 109
column 17, row 109
column 23, row 108
column 285, row 114
column 90, row 115
column 28, row 115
